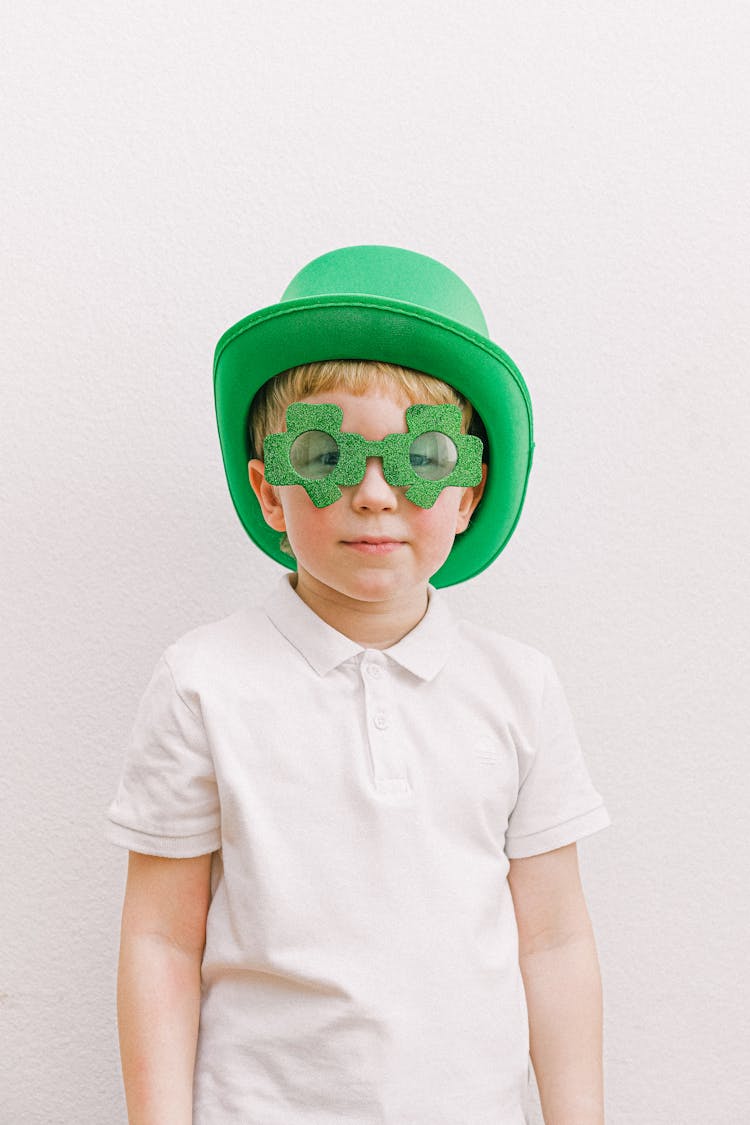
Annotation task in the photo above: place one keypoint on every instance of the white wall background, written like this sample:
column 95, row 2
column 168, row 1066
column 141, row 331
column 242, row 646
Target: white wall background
column 166, row 168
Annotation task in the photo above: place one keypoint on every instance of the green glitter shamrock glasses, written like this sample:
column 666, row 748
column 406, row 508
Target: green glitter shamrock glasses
column 431, row 456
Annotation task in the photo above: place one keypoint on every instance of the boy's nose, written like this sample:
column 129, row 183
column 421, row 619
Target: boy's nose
column 374, row 491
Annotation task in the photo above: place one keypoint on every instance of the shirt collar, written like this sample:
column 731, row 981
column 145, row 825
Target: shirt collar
column 423, row 651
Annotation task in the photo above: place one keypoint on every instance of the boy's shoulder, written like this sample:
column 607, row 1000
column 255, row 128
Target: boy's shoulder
column 243, row 638
column 517, row 677
column 484, row 642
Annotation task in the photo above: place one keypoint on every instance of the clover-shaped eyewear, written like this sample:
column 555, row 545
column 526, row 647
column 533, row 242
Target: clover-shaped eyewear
column 315, row 453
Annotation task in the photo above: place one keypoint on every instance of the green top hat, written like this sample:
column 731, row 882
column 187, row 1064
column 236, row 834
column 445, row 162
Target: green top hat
column 393, row 305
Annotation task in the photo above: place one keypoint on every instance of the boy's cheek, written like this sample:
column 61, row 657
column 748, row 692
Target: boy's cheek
column 435, row 526
column 301, row 516
column 445, row 510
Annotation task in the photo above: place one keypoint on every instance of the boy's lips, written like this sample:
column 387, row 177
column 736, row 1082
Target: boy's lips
column 373, row 544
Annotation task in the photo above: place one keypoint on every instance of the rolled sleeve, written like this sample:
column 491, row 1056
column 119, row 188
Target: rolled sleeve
column 167, row 800
column 557, row 803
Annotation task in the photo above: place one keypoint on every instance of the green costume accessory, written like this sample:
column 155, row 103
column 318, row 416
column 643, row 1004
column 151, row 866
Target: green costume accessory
column 393, row 305
column 315, row 453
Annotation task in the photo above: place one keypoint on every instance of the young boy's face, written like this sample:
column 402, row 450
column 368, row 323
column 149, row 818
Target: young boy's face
column 372, row 545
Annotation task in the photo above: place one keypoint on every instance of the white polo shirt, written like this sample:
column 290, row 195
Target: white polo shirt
column 361, row 960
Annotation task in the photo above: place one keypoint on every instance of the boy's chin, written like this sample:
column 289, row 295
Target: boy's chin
column 368, row 584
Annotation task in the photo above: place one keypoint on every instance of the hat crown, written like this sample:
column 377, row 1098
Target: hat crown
column 391, row 274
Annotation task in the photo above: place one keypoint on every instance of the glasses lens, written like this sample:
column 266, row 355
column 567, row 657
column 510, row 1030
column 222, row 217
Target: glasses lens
column 314, row 455
column 433, row 456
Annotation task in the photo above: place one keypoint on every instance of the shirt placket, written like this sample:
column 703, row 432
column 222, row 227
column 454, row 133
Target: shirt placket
column 386, row 748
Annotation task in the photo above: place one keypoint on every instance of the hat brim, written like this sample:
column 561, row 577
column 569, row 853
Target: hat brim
column 342, row 327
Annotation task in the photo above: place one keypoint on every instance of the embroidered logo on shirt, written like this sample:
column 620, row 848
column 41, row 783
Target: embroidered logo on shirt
column 487, row 749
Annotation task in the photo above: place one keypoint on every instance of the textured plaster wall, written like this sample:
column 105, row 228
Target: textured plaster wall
column 165, row 169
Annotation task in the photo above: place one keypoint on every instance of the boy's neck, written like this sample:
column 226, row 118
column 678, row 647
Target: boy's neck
column 376, row 624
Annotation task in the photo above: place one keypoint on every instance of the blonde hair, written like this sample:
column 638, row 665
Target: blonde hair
column 356, row 376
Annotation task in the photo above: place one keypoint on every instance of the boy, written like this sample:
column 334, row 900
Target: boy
column 353, row 892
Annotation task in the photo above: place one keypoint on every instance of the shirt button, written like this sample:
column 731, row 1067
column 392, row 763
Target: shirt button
column 375, row 671
column 380, row 722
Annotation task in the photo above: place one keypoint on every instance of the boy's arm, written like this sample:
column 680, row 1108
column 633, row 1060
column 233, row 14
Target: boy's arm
column 560, row 970
column 159, row 986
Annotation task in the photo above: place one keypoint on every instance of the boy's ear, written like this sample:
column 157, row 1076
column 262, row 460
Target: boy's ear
column 268, row 497
column 469, row 501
